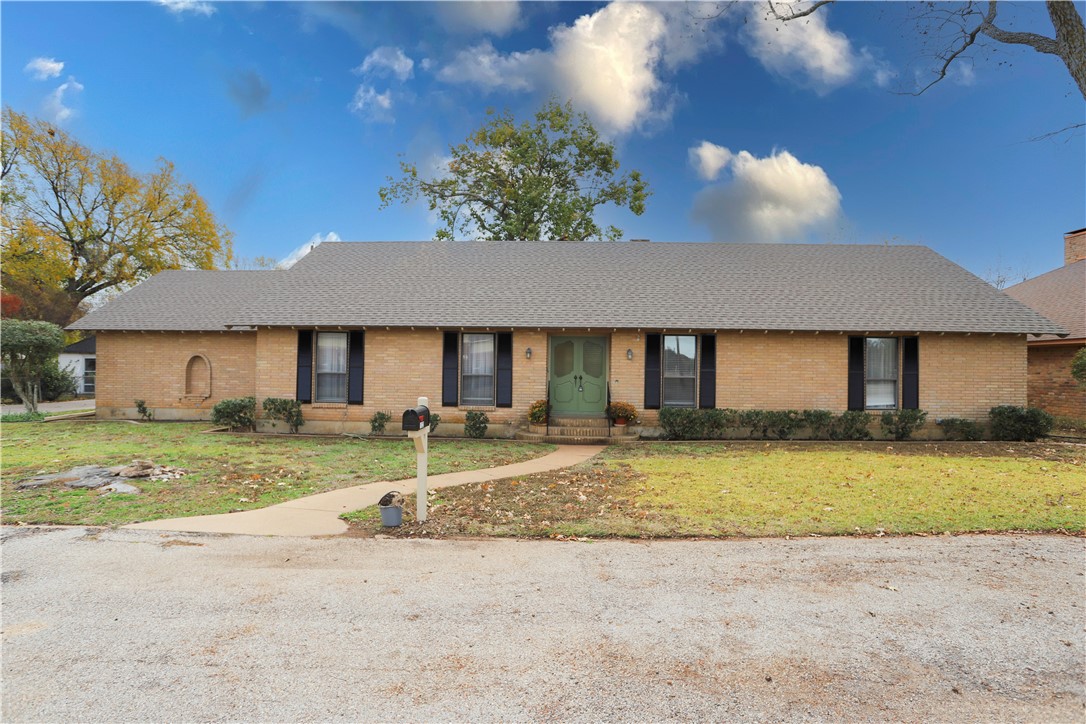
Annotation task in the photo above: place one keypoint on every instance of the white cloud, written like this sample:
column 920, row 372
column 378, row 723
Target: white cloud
column 368, row 103
column 709, row 159
column 196, row 7
column 805, row 50
column 44, row 68
column 293, row 257
column 771, row 199
column 387, row 60
column 53, row 106
column 470, row 16
column 608, row 63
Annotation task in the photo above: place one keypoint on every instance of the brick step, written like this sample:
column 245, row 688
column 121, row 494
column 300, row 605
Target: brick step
column 565, row 440
column 557, row 421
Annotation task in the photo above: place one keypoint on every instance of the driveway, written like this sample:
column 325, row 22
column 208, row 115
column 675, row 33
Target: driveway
column 69, row 406
column 145, row 625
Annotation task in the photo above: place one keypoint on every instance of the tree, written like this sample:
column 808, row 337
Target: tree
column 28, row 349
column 534, row 181
column 959, row 27
column 77, row 222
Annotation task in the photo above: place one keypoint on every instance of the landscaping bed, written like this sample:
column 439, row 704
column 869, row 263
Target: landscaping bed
column 719, row 489
column 222, row 473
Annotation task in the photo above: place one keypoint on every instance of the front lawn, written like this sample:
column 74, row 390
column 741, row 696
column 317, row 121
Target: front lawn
column 773, row 489
column 225, row 472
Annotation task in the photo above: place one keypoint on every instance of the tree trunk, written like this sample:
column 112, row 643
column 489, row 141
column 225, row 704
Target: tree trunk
column 1070, row 39
column 27, row 392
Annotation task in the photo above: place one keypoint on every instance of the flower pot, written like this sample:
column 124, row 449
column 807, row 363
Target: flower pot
column 620, row 422
column 391, row 515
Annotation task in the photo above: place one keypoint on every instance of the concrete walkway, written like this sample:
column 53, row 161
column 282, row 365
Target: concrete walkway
column 319, row 514
column 69, row 406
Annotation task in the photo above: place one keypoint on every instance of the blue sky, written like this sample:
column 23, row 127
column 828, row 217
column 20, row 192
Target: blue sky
column 288, row 117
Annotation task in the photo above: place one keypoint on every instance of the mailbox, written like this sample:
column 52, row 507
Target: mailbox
column 416, row 418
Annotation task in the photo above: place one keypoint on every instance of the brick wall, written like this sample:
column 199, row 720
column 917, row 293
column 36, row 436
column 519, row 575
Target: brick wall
column 152, row 367
column 1050, row 385
column 960, row 375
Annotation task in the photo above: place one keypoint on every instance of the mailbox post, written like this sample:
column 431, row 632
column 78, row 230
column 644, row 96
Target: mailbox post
column 416, row 421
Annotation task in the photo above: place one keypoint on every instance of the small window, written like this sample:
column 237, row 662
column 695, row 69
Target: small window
column 90, row 367
column 477, row 369
column 880, row 373
column 680, row 370
column 331, row 367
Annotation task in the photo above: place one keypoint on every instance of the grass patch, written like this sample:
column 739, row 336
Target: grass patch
column 775, row 489
column 225, row 472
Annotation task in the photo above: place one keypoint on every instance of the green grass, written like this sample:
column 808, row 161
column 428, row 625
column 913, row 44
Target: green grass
column 776, row 489
column 225, row 472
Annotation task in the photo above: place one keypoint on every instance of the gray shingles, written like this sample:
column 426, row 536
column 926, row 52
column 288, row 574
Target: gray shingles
column 1059, row 295
column 619, row 285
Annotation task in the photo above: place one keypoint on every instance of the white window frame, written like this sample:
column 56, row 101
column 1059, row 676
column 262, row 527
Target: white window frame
column 896, row 379
column 479, row 401
column 317, row 374
column 664, row 376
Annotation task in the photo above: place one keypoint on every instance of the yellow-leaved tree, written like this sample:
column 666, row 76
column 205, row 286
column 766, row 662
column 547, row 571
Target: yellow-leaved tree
column 78, row 222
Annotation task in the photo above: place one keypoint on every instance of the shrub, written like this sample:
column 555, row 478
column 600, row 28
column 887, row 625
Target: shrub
column 901, row 424
column 57, row 383
column 681, row 423
column 1019, row 423
column 782, row 423
column 475, row 424
column 288, row 411
column 717, row 421
column 622, row 411
column 238, row 413
column 754, row 421
column 959, row 428
column 1078, row 367
column 538, row 411
column 818, row 422
column 145, row 414
column 378, row 422
column 23, row 417
column 435, row 420
column 851, row 425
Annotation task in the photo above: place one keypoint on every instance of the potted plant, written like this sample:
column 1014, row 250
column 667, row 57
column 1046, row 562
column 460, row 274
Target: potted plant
column 537, row 412
column 622, row 412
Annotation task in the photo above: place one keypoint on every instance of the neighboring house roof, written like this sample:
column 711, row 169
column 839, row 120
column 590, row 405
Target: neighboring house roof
column 189, row 301
column 1059, row 295
column 590, row 284
column 83, row 346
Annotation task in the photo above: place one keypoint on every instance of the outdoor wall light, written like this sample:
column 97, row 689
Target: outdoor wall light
column 528, row 353
column 629, row 354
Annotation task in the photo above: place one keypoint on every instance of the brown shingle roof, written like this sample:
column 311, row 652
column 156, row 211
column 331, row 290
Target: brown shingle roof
column 618, row 285
column 1059, row 295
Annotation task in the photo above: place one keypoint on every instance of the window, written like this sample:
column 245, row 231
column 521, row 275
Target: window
column 331, row 367
column 680, row 370
column 880, row 373
column 477, row 369
column 90, row 367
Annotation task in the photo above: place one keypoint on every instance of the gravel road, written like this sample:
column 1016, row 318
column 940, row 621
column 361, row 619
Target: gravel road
column 144, row 626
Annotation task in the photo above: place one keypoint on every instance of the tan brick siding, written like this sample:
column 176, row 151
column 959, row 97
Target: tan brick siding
column 1074, row 247
column 152, row 366
column 1050, row 386
column 961, row 376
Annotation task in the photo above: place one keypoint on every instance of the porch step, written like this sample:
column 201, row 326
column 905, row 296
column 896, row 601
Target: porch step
column 564, row 421
column 576, row 440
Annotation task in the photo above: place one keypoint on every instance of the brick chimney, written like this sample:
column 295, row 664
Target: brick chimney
column 1074, row 246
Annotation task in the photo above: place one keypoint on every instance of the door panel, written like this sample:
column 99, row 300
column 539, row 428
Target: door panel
column 578, row 375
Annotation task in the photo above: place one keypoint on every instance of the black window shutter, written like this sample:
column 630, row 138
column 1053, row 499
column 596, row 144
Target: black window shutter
column 504, row 369
column 304, row 392
column 707, row 373
column 356, row 366
column 652, row 372
column 856, row 373
column 910, row 373
column 450, row 392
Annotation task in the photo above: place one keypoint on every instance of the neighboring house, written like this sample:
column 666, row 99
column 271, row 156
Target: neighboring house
column 356, row 328
column 80, row 358
column 1059, row 295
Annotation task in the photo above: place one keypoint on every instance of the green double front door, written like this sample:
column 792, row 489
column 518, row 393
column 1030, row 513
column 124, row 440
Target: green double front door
column 578, row 375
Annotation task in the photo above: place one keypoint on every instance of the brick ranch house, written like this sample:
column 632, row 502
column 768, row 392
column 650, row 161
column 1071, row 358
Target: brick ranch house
column 1059, row 295
column 356, row 328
